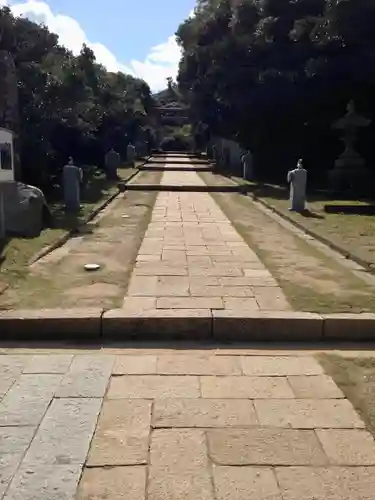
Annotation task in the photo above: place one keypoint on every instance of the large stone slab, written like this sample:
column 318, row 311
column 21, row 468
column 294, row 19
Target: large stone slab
column 143, row 286
column 49, row 363
column 245, row 387
column 44, row 482
column 235, row 303
column 203, row 413
column 189, row 303
column 14, row 442
column 159, row 269
column 65, row 433
column 87, row 378
column 11, row 367
column 221, row 291
column 121, row 437
column 348, row 446
column 12, row 363
column 219, row 270
column 116, row 483
column 262, row 446
column 194, row 364
column 6, row 382
column 28, row 399
column 179, row 466
column 153, row 386
column 245, row 483
column 314, row 387
column 275, row 366
column 135, row 365
column 336, row 483
column 308, row 413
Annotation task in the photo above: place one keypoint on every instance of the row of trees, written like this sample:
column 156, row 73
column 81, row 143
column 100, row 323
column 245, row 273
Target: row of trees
column 274, row 74
column 68, row 105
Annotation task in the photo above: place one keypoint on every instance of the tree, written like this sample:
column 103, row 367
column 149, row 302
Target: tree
column 68, row 105
column 264, row 72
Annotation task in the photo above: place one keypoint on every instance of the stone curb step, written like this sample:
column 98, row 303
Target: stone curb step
column 185, row 188
column 177, row 161
column 167, row 168
column 199, row 324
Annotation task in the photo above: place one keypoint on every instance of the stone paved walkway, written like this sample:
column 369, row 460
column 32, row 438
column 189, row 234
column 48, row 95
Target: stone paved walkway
column 192, row 258
column 180, row 425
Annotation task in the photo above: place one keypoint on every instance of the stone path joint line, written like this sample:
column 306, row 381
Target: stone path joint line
column 143, row 425
column 192, row 258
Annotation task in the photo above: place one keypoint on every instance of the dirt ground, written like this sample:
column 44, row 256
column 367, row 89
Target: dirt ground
column 356, row 379
column 112, row 240
column 311, row 280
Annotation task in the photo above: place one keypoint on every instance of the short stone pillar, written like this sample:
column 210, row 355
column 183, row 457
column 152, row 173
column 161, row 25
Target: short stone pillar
column 226, row 156
column 112, row 163
column 215, row 155
column 297, row 179
column 209, row 150
column 247, row 166
column 72, row 179
column 130, row 154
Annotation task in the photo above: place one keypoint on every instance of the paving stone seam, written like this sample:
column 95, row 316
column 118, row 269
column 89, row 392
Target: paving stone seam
column 36, row 428
column 148, row 464
column 210, row 467
column 92, row 437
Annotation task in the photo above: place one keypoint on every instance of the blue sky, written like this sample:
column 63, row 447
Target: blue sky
column 131, row 36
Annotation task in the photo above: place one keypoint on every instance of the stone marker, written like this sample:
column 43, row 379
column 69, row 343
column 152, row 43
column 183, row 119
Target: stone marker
column 130, row 153
column 247, row 164
column 214, row 152
column 297, row 179
column 72, row 178
column 209, row 150
column 112, row 163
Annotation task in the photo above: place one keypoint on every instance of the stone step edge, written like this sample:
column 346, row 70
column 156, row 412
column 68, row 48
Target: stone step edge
column 166, row 168
column 95, row 324
column 186, row 188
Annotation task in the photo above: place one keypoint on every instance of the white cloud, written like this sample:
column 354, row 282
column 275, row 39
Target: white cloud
column 161, row 62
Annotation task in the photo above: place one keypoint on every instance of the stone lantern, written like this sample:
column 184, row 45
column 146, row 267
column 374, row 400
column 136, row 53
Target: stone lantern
column 350, row 170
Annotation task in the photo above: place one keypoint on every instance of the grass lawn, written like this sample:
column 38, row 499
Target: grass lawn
column 311, row 280
column 354, row 233
column 356, row 379
column 16, row 253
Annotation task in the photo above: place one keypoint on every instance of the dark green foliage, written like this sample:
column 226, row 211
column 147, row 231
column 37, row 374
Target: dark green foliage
column 274, row 74
column 176, row 142
column 68, row 105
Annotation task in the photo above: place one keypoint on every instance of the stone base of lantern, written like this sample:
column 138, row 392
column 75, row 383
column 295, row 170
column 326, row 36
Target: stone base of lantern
column 349, row 174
